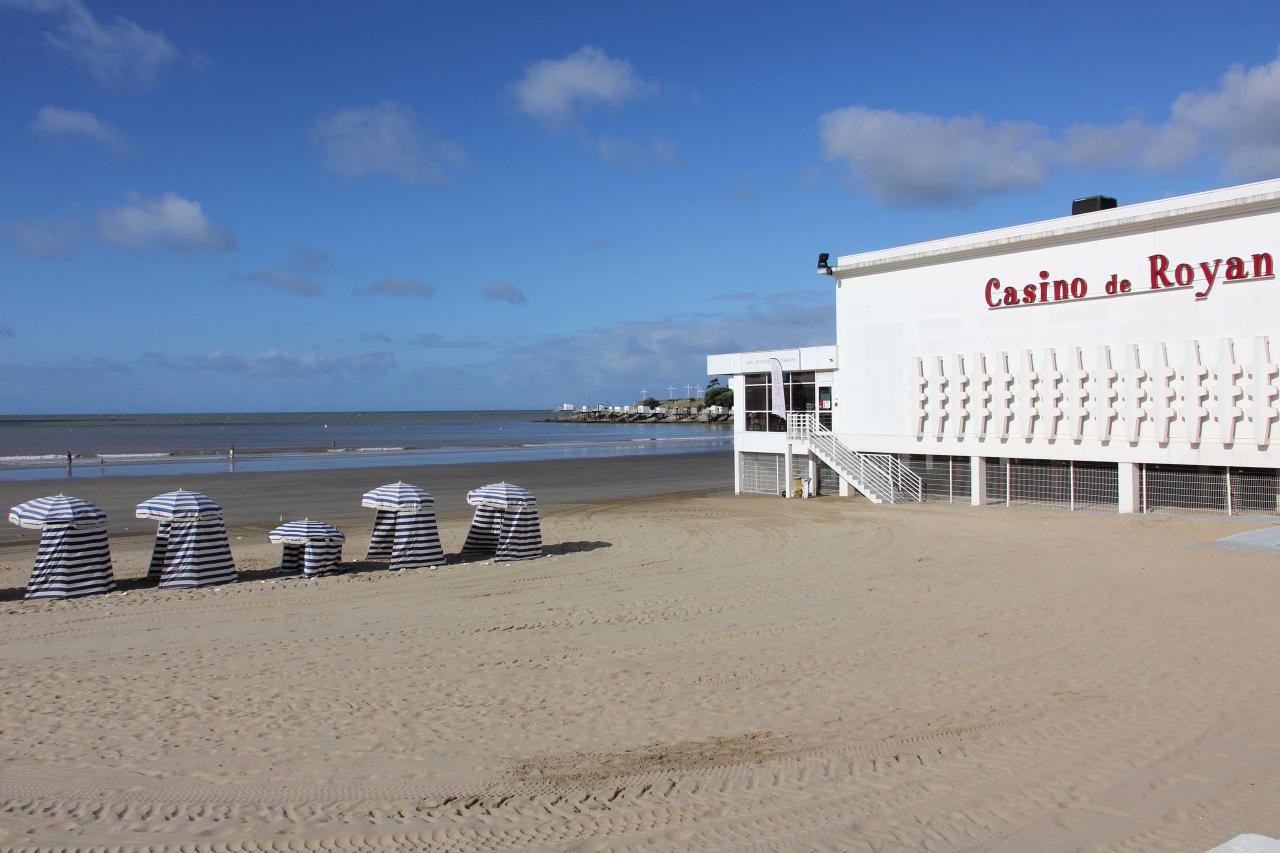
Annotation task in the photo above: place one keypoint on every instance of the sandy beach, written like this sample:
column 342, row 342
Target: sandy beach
column 686, row 669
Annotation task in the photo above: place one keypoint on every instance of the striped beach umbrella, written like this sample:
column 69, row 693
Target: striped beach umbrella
column 73, row 558
column 312, row 547
column 405, row 533
column 506, row 523
column 191, row 547
column 56, row 509
column 179, row 504
column 501, row 496
column 398, row 497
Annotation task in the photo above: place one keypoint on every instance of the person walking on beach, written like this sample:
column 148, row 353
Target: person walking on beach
column 68, row 464
column 231, row 457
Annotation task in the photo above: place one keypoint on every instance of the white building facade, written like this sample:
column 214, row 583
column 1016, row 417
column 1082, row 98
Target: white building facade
column 1122, row 360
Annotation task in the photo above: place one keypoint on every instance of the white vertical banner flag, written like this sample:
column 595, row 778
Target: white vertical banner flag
column 779, row 393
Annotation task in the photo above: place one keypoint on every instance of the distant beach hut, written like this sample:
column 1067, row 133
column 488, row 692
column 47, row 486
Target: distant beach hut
column 73, row 559
column 311, row 547
column 404, row 531
column 191, row 547
column 506, row 523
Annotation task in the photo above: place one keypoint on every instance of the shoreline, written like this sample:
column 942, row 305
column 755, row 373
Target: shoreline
column 334, row 494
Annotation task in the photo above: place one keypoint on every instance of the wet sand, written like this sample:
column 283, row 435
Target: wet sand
column 334, row 495
column 681, row 672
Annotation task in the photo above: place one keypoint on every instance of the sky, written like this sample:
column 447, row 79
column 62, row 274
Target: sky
column 312, row 206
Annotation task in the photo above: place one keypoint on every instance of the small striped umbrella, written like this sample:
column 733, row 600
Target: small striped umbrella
column 398, row 497
column 57, row 509
column 304, row 531
column 312, row 547
column 180, row 504
column 501, row 496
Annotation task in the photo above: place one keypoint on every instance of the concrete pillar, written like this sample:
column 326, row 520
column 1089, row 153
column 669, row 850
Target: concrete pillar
column 1129, row 481
column 978, row 480
column 789, row 477
column 813, row 473
column 843, row 491
column 737, row 473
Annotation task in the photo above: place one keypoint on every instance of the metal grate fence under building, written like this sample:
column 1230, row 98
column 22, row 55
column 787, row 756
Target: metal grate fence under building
column 944, row 479
column 1201, row 490
column 763, row 473
column 1068, row 485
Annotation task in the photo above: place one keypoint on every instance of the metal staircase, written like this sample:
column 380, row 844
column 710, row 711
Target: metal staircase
column 880, row 477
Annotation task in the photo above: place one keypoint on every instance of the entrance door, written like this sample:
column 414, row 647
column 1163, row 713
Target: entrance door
column 824, row 405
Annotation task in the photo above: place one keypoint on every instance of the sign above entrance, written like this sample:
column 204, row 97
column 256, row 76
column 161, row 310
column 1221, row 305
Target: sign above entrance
column 1163, row 275
column 756, row 362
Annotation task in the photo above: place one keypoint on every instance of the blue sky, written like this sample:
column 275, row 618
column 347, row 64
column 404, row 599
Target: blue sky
column 301, row 206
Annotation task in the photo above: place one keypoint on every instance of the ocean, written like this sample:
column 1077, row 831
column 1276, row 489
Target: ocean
column 35, row 447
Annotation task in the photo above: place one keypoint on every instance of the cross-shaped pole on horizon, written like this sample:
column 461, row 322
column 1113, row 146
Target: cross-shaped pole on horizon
column 688, row 389
column 644, row 393
column 671, row 392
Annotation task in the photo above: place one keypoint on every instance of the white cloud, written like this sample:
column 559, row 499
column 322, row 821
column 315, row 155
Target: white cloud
column 553, row 89
column 273, row 363
column 52, row 121
column 282, row 280
column 43, row 239
column 400, row 286
column 913, row 158
column 170, row 221
column 503, row 291
column 312, row 261
column 633, row 154
column 1240, row 118
column 434, row 340
column 598, row 362
column 120, row 54
column 384, row 139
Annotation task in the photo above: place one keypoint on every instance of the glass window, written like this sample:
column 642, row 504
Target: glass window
column 799, row 391
column 802, row 398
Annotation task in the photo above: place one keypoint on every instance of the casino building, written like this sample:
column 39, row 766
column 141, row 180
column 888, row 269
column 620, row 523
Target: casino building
column 1019, row 366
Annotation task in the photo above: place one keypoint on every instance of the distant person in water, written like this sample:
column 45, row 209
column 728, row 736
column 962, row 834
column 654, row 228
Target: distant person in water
column 68, row 463
column 231, row 456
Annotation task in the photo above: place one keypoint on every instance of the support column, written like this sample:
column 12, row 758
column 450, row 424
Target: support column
column 978, row 480
column 737, row 472
column 1129, row 484
column 813, row 473
column 790, row 474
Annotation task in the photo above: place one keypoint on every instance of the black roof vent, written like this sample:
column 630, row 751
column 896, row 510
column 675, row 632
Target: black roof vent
column 1092, row 204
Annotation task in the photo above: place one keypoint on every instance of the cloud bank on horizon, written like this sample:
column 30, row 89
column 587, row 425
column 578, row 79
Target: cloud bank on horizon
column 549, row 208
column 911, row 158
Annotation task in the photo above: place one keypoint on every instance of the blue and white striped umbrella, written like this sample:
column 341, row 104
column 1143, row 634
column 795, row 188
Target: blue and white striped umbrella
column 57, row 509
column 311, row 547
column 73, row 558
column 398, row 497
column 501, row 496
column 506, row 523
column 304, row 531
column 180, row 504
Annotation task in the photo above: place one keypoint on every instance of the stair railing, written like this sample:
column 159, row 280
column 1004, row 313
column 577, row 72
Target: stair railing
column 881, row 474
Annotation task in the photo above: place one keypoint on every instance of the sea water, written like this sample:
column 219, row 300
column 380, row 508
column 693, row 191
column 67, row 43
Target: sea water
column 36, row 446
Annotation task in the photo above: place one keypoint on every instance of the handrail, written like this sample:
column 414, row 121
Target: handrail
column 880, row 474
